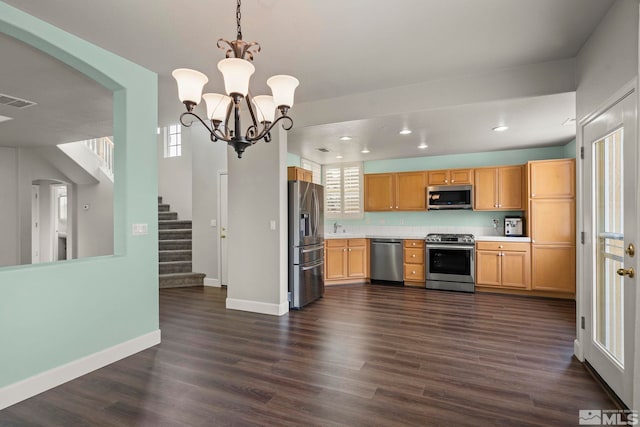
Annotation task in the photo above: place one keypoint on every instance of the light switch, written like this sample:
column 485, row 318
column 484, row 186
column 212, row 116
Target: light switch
column 140, row 229
column 214, row 223
column 272, row 224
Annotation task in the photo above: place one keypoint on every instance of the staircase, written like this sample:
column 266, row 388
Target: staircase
column 174, row 237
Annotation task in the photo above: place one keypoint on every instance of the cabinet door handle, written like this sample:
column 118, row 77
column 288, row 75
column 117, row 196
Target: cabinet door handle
column 453, row 180
column 413, row 272
column 344, row 250
column 413, row 244
column 446, row 180
column 349, row 249
column 500, row 247
column 390, row 207
column 396, row 206
column 413, row 256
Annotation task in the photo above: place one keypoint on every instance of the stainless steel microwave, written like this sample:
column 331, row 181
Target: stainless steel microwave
column 450, row 197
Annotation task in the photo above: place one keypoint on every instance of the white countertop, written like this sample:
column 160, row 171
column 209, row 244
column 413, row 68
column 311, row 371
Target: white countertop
column 329, row 236
column 502, row 239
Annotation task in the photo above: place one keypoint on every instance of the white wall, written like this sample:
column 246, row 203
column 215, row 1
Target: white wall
column 609, row 59
column 94, row 227
column 9, row 249
column 257, row 255
column 208, row 158
column 175, row 176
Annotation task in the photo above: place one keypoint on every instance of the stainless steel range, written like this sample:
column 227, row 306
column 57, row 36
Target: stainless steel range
column 450, row 262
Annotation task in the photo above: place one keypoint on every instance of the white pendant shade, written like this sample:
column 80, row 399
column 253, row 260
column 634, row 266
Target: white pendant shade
column 190, row 84
column 216, row 106
column 283, row 87
column 265, row 108
column 236, row 73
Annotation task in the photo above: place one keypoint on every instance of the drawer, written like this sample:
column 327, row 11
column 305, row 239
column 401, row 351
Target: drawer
column 414, row 256
column 414, row 243
column 503, row 246
column 357, row 242
column 336, row 243
column 414, row 272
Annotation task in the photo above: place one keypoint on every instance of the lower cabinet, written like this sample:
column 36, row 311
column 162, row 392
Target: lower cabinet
column 346, row 261
column 414, row 274
column 503, row 265
column 554, row 268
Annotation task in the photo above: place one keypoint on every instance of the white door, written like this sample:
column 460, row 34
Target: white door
column 610, row 190
column 224, row 231
column 35, row 224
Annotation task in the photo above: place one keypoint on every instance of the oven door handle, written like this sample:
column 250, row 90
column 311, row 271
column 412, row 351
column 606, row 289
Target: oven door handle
column 466, row 248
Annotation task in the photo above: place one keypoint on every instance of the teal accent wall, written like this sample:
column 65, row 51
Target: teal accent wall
column 293, row 160
column 53, row 314
column 570, row 150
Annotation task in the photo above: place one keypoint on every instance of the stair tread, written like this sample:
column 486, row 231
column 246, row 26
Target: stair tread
column 176, row 262
column 190, row 274
column 174, row 221
column 173, row 251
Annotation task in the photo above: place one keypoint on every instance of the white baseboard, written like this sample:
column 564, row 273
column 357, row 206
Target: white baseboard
column 212, row 282
column 17, row 392
column 577, row 350
column 258, row 307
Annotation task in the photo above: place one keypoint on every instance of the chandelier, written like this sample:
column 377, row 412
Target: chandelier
column 236, row 71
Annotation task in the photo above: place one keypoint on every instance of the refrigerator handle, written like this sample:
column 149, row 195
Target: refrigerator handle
column 316, row 212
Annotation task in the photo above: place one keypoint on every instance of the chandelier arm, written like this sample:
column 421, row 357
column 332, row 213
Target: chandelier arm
column 188, row 124
column 267, row 129
column 253, row 115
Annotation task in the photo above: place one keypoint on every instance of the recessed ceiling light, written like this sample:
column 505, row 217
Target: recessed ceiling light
column 365, row 151
column 339, row 156
column 5, row 118
column 422, row 146
column 345, row 138
column 405, row 131
column 501, row 128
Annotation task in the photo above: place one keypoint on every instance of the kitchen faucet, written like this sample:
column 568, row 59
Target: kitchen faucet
column 335, row 226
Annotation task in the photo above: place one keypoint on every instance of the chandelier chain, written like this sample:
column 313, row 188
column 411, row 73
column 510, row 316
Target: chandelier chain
column 238, row 17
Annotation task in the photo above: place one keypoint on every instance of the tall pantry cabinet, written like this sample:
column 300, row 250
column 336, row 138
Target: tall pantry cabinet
column 552, row 225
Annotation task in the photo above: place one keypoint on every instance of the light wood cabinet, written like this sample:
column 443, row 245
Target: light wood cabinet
column 552, row 225
column 450, row 177
column 403, row 191
column 503, row 265
column 414, row 263
column 295, row 173
column 499, row 189
column 554, row 268
column 552, row 179
column 553, row 221
column 346, row 260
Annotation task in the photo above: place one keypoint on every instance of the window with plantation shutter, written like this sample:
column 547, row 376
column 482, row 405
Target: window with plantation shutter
column 343, row 191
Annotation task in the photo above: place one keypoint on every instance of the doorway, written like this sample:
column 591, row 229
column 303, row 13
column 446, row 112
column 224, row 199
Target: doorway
column 610, row 189
column 59, row 227
column 35, row 224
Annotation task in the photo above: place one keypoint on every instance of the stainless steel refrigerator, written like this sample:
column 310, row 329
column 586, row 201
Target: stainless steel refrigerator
column 306, row 243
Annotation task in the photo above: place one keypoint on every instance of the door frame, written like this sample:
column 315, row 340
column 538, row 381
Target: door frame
column 35, row 223
column 219, row 228
column 583, row 287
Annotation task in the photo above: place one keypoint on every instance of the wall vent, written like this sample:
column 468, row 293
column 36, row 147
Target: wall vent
column 12, row 101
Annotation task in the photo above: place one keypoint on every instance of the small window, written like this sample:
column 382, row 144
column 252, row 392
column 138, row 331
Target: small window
column 173, row 141
column 343, row 191
column 313, row 167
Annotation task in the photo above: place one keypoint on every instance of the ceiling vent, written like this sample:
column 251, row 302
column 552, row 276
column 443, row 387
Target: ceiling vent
column 12, row 101
column 323, row 150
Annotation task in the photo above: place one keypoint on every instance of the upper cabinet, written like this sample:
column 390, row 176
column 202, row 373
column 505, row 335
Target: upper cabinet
column 450, row 177
column 500, row 188
column 295, row 173
column 552, row 179
column 404, row 191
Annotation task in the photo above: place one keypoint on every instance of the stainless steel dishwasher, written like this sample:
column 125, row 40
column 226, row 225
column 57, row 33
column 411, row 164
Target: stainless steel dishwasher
column 386, row 260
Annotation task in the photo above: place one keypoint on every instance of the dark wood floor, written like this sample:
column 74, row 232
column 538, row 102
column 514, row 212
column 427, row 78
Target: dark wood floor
column 361, row 356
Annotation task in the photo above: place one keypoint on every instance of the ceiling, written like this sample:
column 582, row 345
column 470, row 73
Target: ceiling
column 340, row 50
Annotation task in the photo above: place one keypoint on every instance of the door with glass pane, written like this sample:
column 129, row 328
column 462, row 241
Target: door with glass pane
column 610, row 188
